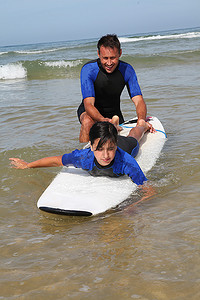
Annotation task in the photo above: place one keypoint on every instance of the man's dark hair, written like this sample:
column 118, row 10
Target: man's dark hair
column 109, row 40
column 104, row 131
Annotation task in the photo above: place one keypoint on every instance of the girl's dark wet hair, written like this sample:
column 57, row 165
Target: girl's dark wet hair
column 104, row 131
column 109, row 40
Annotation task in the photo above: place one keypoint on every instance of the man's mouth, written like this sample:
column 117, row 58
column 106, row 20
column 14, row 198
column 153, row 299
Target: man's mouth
column 109, row 67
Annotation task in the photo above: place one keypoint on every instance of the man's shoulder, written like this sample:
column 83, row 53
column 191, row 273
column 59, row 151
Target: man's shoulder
column 90, row 70
column 124, row 65
column 126, row 70
column 90, row 63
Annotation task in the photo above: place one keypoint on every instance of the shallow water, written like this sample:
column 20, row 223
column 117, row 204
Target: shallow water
column 144, row 251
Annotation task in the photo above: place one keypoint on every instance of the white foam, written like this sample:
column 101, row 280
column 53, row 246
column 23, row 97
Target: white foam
column 63, row 64
column 39, row 51
column 12, row 71
column 188, row 35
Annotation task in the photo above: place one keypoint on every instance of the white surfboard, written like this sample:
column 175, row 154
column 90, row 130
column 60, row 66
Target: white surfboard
column 75, row 192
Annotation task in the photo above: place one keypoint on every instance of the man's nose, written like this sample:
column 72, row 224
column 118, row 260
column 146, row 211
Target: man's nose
column 109, row 62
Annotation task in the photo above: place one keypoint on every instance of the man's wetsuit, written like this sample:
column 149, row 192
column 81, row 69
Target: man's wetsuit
column 123, row 164
column 106, row 88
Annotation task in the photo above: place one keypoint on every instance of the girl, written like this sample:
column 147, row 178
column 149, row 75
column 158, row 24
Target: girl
column 109, row 154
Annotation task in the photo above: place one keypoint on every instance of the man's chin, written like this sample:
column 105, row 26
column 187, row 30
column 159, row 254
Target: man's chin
column 109, row 70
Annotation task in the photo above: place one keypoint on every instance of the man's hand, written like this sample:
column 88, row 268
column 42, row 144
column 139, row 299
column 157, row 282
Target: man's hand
column 106, row 120
column 145, row 123
column 151, row 129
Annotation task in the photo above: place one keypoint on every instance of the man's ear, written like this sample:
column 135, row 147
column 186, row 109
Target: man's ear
column 98, row 52
column 120, row 53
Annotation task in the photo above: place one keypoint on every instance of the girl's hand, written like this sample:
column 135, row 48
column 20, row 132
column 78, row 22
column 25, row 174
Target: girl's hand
column 18, row 163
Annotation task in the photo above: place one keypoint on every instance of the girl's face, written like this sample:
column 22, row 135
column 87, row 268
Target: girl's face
column 105, row 154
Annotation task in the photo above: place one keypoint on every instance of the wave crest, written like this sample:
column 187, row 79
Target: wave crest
column 63, row 64
column 38, row 69
column 12, row 71
column 188, row 35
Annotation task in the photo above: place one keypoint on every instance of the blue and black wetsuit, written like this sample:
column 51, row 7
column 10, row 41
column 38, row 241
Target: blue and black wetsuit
column 128, row 144
column 106, row 88
column 123, row 164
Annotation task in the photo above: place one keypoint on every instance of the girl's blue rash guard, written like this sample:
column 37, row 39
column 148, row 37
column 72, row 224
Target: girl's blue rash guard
column 124, row 164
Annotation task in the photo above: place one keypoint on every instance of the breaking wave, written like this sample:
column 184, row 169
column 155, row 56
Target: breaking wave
column 188, row 35
column 40, row 69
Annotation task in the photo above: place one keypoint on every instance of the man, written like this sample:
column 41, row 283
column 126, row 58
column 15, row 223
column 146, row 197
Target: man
column 102, row 82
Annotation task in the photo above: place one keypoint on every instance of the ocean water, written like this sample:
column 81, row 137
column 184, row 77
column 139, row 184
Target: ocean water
column 144, row 251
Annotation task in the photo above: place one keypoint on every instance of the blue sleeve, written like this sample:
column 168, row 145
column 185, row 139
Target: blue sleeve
column 68, row 159
column 133, row 170
column 130, row 78
column 89, row 74
column 83, row 159
column 127, row 165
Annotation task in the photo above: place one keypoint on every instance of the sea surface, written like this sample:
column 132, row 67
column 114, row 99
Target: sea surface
column 146, row 251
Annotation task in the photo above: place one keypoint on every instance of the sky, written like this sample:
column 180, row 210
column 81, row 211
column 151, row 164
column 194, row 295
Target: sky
column 37, row 21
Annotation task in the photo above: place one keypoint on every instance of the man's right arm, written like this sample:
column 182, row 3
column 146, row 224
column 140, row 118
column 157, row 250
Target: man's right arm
column 89, row 74
column 92, row 111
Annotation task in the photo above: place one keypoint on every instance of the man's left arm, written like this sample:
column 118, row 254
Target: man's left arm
column 141, row 110
column 140, row 106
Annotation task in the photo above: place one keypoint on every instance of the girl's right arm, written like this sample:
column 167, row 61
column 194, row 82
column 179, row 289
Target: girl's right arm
column 53, row 161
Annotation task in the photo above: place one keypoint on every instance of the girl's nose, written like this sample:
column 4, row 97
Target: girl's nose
column 106, row 154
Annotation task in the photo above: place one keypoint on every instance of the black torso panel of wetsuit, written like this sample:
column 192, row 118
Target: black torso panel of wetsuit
column 108, row 88
column 99, row 170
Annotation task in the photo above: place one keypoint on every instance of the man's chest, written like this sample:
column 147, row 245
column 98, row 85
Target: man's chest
column 109, row 84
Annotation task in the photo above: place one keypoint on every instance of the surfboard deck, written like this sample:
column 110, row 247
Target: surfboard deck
column 74, row 192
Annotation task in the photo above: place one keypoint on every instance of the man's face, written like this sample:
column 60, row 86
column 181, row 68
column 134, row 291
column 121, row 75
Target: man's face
column 109, row 58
